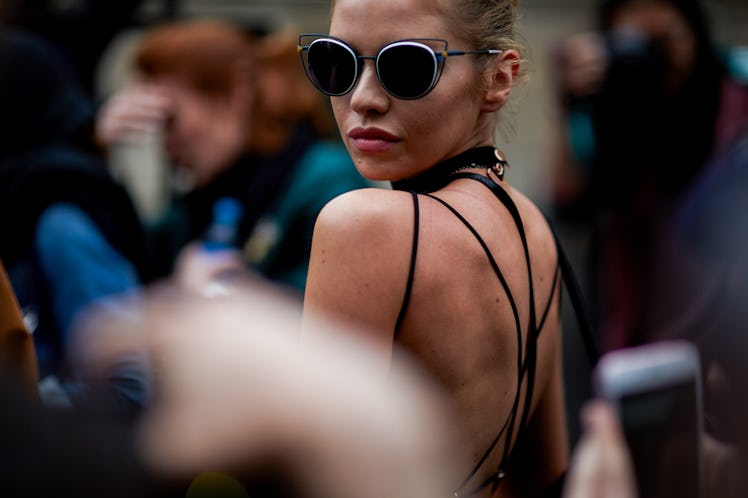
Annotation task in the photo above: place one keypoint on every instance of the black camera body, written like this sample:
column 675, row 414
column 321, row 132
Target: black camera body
column 630, row 116
column 636, row 62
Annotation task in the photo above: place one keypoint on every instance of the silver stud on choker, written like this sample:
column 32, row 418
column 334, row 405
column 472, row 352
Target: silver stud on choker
column 500, row 167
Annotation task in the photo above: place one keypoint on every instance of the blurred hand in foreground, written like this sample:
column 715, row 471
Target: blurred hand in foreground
column 236, row 389
column 601, row 465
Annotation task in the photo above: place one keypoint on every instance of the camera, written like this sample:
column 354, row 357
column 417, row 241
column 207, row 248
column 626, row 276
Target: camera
column 636, row 62
column 629, row 116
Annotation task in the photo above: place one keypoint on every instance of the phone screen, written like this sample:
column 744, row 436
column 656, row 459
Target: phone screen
column 662, row 432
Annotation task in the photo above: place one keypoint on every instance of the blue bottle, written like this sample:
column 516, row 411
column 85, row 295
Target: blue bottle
column 223, row 231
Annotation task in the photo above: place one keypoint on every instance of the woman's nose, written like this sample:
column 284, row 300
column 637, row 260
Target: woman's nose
column 368, row 96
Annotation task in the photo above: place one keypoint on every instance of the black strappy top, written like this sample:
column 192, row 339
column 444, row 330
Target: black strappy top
column 430, row 181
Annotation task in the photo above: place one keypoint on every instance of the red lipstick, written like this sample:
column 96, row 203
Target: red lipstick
column 372, row 139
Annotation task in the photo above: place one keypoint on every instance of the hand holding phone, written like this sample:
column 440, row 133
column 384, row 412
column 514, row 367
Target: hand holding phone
column 656, row 392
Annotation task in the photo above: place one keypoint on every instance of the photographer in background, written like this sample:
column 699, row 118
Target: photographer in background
column 653, row 164
column 646, row 103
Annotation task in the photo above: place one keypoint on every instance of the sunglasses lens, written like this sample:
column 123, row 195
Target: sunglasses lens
column 407, row 70
column 331, row 66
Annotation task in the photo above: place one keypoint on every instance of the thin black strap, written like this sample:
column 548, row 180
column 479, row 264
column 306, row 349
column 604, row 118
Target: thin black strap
column 567, row 272
column 550, row 301
column 511, row 418
column 492, row 262
column 547, row 310
column 411, row 272
column 526, row 366
column 532, row 333
column 577, row 301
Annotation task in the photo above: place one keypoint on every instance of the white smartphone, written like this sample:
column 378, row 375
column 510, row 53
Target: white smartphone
column 656, row 391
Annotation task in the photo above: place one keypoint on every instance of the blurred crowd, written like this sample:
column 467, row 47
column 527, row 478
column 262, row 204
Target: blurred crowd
column 127, row 339
column 651, row 164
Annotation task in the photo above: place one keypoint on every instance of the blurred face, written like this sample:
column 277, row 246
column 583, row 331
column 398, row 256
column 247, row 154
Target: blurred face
column 391, row 138
column 662, row 22
column 203, row 134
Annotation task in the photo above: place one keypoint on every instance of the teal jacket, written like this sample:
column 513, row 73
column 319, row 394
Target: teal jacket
column 281, row 197
column 280, row 244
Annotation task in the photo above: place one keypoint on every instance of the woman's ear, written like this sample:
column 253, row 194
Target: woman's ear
column 501, row 72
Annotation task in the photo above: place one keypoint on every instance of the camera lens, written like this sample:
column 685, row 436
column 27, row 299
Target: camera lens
column 634, row 59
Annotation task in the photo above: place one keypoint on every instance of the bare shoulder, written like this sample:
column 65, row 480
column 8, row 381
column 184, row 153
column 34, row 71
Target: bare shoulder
column 359, row 213
column 360, row 256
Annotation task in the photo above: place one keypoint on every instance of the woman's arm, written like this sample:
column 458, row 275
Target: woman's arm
column 359, row 263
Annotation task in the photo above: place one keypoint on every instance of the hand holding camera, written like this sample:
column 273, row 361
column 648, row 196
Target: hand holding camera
column 582, row 65
column 622, row 60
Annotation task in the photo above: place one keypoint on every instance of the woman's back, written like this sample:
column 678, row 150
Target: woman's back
column 459, row 321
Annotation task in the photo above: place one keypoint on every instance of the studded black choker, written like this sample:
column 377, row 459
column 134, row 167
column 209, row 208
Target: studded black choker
column 438, row 176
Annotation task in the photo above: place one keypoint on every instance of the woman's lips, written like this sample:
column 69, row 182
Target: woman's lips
column 372, row 139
